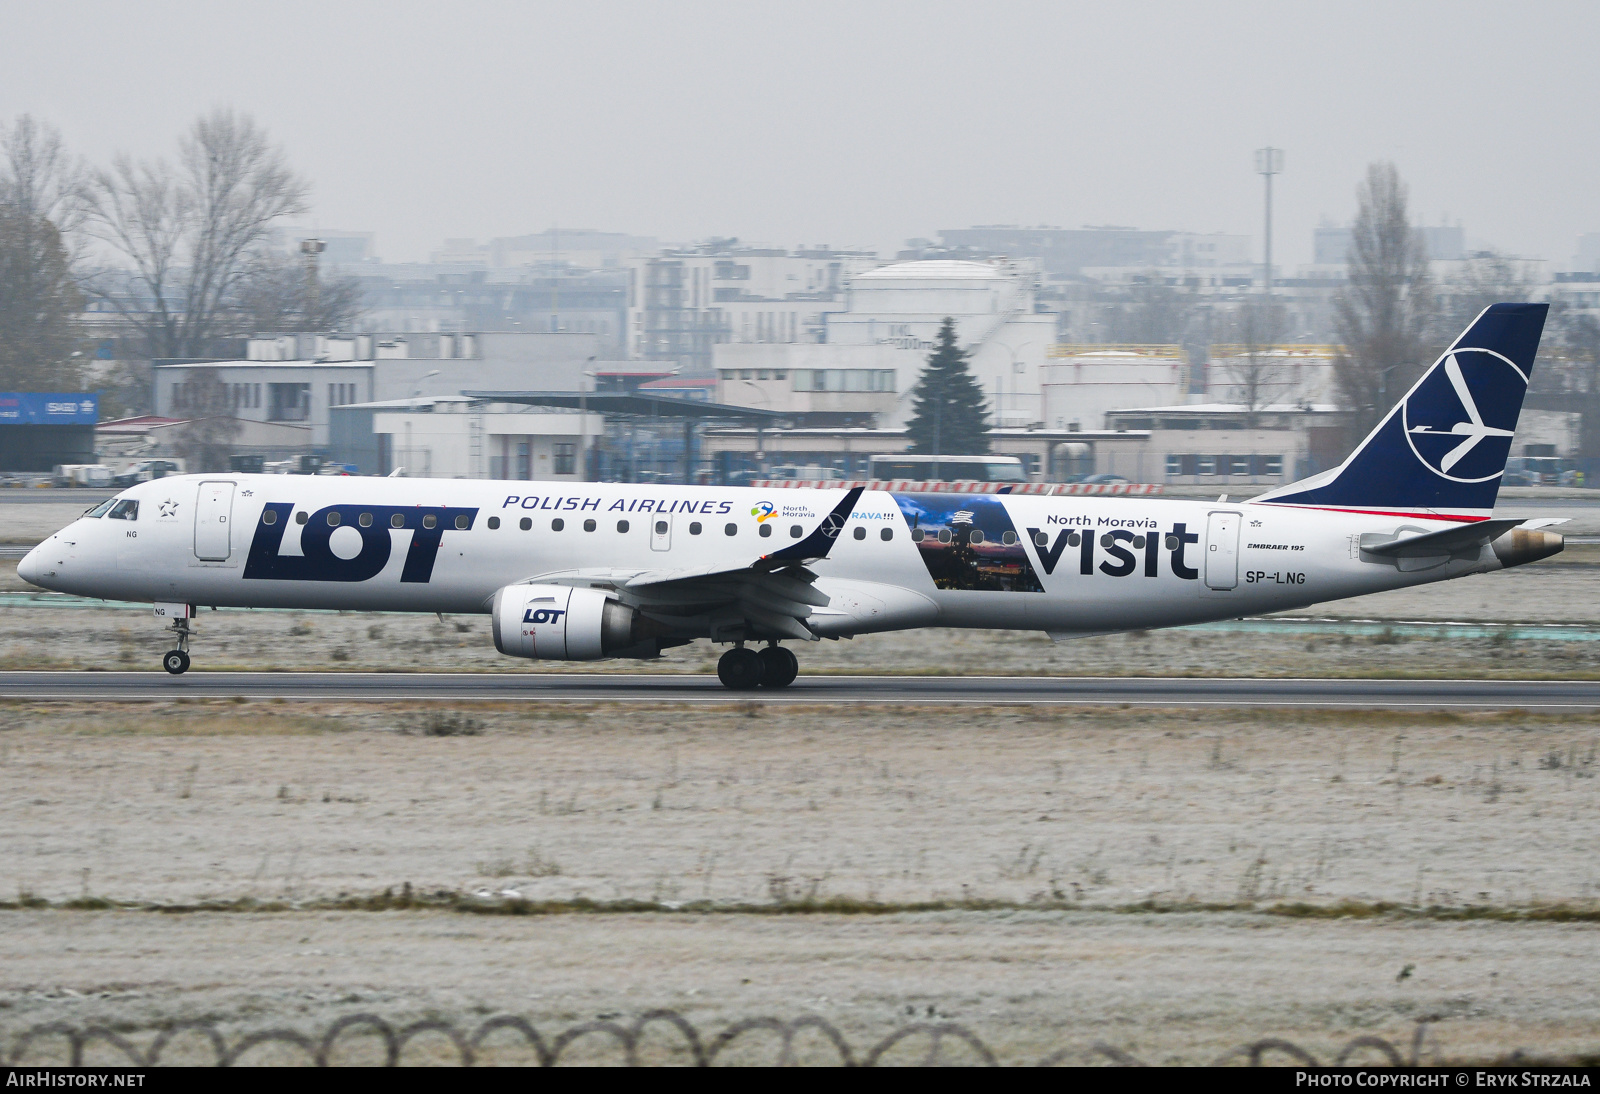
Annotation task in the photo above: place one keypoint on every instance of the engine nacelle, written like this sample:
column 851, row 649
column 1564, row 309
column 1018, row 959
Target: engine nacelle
column 557, row 623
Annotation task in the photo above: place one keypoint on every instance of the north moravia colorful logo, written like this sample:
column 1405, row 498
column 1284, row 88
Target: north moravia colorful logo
column 764, row 511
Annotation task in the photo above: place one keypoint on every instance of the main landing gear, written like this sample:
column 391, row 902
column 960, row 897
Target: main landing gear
column 743, row 669
column 177, row 661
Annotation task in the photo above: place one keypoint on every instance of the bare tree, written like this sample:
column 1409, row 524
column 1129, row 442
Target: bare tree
column 40, row 206
column 1485, row 278
column 1384, row 314
column 193, row 232
column 1258, row 372
column 206, row 438
column 1155, row 313
column 280, row 295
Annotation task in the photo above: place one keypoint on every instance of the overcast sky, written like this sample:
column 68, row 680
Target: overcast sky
column 856, row 123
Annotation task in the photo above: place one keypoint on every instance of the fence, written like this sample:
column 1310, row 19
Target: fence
column 907, row 486
column 917, row 1043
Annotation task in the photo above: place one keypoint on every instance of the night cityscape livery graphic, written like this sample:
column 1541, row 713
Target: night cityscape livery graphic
column 968, row 542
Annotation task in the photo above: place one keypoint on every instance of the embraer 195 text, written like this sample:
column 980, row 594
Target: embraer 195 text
column 584, row 571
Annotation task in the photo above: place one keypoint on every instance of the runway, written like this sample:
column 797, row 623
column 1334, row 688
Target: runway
column 695, row 688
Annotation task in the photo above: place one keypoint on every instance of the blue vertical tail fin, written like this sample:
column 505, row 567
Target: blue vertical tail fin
column 1441, row 450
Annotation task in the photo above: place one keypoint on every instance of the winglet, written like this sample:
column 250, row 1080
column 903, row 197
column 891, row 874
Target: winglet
column 820, row 541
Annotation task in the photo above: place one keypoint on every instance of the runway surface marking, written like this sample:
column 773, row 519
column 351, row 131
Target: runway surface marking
column 699, row 688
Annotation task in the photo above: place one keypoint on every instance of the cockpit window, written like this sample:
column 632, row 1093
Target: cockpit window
column 100, row 510
column 126, row 509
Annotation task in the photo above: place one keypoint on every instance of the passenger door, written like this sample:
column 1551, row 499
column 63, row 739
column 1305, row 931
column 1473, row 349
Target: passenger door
column 212, row 514
column 660, row 533
column 1222, row 551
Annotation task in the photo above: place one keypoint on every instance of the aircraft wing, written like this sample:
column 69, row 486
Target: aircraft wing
column 770, row 597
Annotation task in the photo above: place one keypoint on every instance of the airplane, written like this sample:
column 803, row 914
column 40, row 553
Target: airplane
column 588, row 571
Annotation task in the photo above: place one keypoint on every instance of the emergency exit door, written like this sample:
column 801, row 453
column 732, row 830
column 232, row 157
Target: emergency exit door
column 213, row 515
column 661, row 533
column 1222, row 551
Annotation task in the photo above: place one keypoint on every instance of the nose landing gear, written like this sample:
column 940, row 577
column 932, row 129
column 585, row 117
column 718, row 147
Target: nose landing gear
column 177, row 661
column 742, row 669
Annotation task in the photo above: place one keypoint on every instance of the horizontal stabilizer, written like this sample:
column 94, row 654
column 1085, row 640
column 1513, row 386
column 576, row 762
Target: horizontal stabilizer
column 1446, row 542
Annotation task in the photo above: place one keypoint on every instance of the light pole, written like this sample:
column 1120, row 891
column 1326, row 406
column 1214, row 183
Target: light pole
column 1269, row 162
column 766, row 400
column 583, row 423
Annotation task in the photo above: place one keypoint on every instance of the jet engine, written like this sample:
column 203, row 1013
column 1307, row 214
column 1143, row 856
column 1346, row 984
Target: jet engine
column 557, row 623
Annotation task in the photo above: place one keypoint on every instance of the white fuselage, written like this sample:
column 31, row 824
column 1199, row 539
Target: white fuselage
column 1104, row 564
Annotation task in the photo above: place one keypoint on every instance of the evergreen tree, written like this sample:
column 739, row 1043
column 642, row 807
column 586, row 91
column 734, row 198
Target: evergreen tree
column 948, row 412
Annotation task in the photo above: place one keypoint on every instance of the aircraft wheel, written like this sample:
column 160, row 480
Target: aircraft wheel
column 740, row 669
column 176, row 662
column 779, row 667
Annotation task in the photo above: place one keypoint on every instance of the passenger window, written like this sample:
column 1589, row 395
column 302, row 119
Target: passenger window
column 764, row 530
column 462, row 521
column 661, row 527
column 731, row 529
column 1138, row 543
column 622, row 526
column 431, row 520
column 397, row 520
column 126, row 509
column 269, row 516
column 976, row 536
column 557, row 524
column 588, row 526
column 944, row 535
column 301, row 517
column 494, row 522
column 365, row 520
column 333, row 518
column 1041, row 539
column 100, row 510
column 861, row 533
column 795, row 532
column 887, row 534
column 1008, row 538
column 1073, row 539
column 525, row 523
column 694, row 528
column 918, row 535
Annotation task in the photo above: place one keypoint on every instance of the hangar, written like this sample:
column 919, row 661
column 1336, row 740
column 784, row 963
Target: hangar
column 39, row 429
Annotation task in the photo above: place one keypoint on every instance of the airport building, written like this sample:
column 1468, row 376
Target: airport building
column 874, row 349
column 683, row 303
column 299, row 378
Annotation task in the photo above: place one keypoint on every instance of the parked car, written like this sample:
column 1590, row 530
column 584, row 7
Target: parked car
column 1104, row 479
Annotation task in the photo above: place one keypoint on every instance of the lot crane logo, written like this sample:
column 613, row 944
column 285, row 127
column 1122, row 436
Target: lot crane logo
column 764, row 511
column 1460, row 419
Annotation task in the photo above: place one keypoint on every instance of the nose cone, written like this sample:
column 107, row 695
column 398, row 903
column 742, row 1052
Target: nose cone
column 31, row 568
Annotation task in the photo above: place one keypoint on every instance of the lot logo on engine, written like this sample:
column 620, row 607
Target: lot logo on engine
column 543, row 615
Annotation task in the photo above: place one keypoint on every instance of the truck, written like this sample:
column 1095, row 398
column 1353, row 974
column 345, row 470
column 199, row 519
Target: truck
column 81, row 474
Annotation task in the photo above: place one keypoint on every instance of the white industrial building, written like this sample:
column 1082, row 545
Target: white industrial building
column 876, row 347
column 1084, row 383
column 993, row 304
column 299, row 379
column 453, row 437
column 683, row 303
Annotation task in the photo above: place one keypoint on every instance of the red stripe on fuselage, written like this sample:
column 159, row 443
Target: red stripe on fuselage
column 1379, row 512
